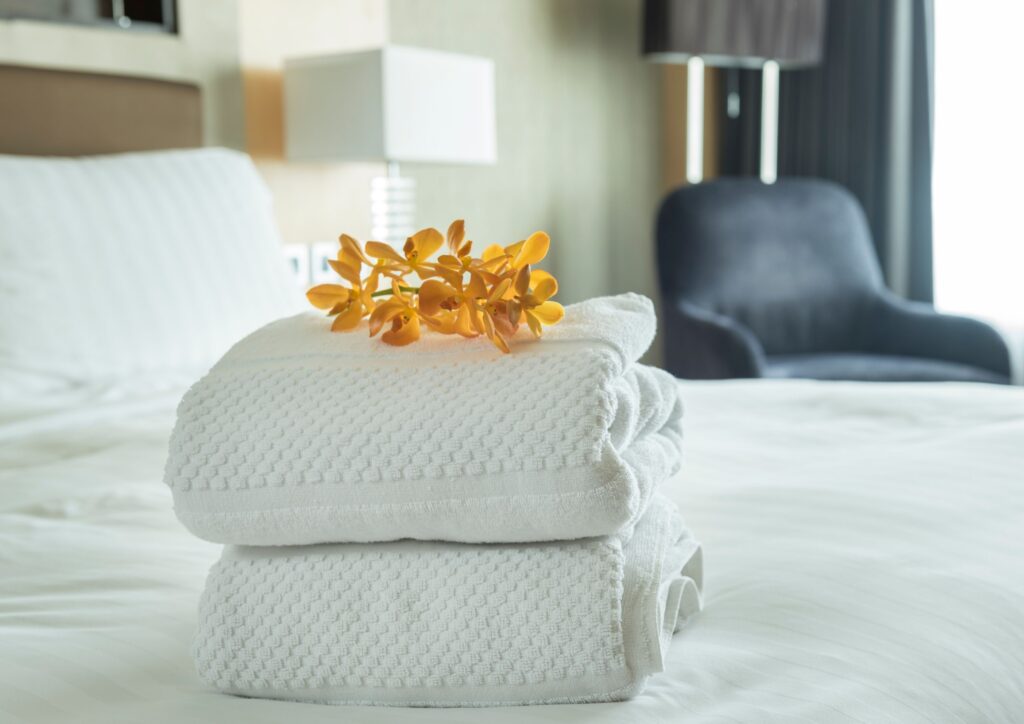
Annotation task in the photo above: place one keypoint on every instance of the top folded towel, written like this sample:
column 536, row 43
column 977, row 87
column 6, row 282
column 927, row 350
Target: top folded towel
column 300, row 436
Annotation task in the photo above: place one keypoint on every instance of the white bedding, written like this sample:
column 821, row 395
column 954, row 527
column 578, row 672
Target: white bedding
column 864, row 549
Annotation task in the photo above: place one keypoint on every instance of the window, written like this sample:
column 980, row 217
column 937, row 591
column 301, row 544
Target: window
column 978, row 181
column 144, row 15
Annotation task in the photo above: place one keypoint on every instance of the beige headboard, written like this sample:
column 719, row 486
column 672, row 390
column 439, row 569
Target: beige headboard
column 66, row 113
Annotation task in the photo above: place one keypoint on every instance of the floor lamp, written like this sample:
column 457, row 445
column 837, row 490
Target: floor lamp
column 771, row 35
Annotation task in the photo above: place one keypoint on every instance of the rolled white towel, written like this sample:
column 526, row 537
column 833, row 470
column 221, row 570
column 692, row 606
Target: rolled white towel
column 449, row 624
column 301, row 436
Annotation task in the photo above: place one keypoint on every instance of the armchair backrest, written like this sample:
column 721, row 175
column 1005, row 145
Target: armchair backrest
column 792, row 261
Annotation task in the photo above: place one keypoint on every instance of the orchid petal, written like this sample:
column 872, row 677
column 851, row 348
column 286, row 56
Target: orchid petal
column 515, row 309
column 325, row 296
column 432, row 294
column 477, row 289
column 350, row 247
column 492, row 252
column 456, row 234
column 372, row 281
column 494, row 265
column 549, row 313
column 404, row 330
column 426, row 242
column 488, row 325
column 533, row 323
column 384, row 313
column 452, row 276
column 513, row 249
column 503, row 325
column 443, row 323
column 533, row 250
column 379, row 250
column 545, row 290
column 537, row 276
column 499, row 290
column 346, row 271
column 349, row 319
column 464, row 322
column 426, row 271
column 522, row 283
column 499, row 342
column 476, row 318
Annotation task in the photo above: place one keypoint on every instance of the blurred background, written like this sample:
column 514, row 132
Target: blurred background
column 811, row 188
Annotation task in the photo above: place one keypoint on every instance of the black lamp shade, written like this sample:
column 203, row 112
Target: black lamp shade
column 737, row 33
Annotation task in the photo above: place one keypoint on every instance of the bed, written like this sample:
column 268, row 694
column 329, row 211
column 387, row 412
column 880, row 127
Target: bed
column 863, row 550
column 863, row 542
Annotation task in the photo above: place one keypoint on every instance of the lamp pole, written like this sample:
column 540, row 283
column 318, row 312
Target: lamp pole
column 769, row 121
column 695, row 120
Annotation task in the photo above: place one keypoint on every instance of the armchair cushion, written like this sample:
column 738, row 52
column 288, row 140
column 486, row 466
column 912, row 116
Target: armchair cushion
column 876, row 368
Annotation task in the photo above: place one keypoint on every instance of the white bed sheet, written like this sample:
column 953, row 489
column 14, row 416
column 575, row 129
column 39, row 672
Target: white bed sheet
column 864, row 551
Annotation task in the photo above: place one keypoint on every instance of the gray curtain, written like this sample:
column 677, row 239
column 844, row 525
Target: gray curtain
column 863, row 118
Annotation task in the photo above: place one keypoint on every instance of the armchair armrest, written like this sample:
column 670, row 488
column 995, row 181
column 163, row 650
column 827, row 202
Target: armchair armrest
column 704, row 345
column 909, row 328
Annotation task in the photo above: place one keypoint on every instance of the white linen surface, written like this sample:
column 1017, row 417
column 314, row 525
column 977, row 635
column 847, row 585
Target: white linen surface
column 863, row 545
column 104, row 261
column 301, row 436
column 430, row 623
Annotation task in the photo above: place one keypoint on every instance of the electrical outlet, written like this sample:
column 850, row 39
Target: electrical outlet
column 320, row 270
column 297, row 258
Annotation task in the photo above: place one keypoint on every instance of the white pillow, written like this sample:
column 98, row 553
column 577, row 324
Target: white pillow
column 119, row 265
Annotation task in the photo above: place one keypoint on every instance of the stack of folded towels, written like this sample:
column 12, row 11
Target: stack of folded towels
column 437, row 525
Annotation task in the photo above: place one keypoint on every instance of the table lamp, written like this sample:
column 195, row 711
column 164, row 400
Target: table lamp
column 393, row 104
column 766, row 34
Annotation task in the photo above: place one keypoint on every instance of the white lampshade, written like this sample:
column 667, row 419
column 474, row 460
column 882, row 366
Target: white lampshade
column 393, row 104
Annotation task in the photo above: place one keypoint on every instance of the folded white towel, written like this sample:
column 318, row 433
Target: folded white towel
column 449, row 624
column 300, row 436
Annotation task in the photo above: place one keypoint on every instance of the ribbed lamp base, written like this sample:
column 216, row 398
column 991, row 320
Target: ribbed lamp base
column 392, row 207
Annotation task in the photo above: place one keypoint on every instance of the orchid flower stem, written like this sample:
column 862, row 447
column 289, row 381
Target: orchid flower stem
column 384, row 292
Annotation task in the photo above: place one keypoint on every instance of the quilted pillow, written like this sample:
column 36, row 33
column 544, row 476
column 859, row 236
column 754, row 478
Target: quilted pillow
column 113, row 266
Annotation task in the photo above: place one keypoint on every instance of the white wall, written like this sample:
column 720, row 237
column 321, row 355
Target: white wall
column 205, row 51
column 314, row 202
column 578, row 115
column 578, row 133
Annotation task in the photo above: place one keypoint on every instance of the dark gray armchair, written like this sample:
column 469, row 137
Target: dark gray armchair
column 783, row 281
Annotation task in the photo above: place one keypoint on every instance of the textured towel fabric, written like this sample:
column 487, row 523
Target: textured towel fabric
column 449, row 624
column 299, row 436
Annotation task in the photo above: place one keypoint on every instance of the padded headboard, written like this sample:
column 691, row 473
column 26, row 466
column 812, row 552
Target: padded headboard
column 67, row 113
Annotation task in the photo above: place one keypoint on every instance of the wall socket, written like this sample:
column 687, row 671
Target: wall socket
column 308, row 265
column 297, row 257
column 320, row 271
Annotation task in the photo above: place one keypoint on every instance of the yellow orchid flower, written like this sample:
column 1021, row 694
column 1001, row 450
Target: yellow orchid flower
column 531, row 250
column 400, row 311
column 539, row 310
column 349, row 304
column 455, row 308
column 417, row 250
column 494, row 316
column 455, row 236
column 532, row 291
column 458, row 293
column 459, row 262
column 351, row 250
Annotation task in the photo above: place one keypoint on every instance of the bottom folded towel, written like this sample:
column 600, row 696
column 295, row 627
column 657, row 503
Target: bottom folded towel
column 450, row 624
